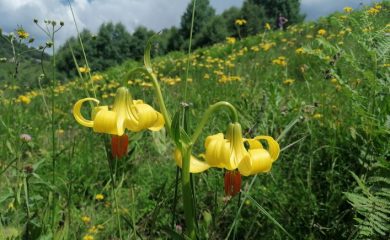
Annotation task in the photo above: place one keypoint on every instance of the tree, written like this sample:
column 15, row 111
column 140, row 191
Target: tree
column 138, row 42
column 215, row 31
column 289, row 9
column 204, row 12
column 255, row 17
column 230, row 15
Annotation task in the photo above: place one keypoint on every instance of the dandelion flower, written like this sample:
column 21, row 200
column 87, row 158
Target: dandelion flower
column 321, row 32
column 22, row 34
column 288, row 82
column 231, row 40
column 347, row 9
column 86, row 219
column 99, row 197
column 88, row 237
column 317, row 116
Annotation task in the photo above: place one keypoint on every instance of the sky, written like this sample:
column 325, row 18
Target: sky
column 154, row 14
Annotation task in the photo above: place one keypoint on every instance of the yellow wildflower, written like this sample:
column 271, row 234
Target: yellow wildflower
column 86, row 219
column 88, row 237
column 234, row 152
column 231, row 40
column 93, row 230
column 373, row 11
column 288, row 81
column 347, row 9
column 267, row 46
column 299, row 50
column 267, row 26
column 280, row 61
column 126, row 113
column 84, row 69
column 11, row 206
column 24, row 99
column 22, row 34
column 321, row 32
column 99, row 197
column 240, row 22
column 96, row 77
column 317, row 116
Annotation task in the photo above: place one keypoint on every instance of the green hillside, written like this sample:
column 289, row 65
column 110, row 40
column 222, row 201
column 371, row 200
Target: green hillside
column 321, row 89
column 20, row 62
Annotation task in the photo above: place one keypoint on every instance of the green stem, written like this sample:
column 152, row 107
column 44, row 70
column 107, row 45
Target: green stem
column 189, row 49
column 207, row 115
column 53, row 85
column 160, row 98
column 187, row 193
column 113, row 184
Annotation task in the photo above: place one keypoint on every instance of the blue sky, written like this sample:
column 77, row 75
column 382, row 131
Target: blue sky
column 154, row 14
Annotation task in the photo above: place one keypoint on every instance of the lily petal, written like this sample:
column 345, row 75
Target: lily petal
column 258, row 160
column 77, row 112
column 143, row 116
column 196, row 166
column 108, row 122
column 273, row 146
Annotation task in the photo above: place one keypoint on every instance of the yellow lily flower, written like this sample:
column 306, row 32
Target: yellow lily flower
column 231, row 153
column 126, row 113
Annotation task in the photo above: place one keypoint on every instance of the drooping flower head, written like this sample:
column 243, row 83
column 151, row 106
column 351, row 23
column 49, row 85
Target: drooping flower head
column 126, row 113
column 232, row 151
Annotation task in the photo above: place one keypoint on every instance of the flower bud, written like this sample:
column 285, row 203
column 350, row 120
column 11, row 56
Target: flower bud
column 61, row 23
column 49, row 44
column 35, row 21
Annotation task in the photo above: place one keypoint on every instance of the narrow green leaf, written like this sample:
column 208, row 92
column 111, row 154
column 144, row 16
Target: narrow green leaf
column 269, row 216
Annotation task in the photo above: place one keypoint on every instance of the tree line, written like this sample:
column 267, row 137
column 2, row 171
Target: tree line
column 113, row 44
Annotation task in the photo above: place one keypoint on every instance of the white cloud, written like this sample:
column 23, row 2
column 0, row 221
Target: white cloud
column 154, row 14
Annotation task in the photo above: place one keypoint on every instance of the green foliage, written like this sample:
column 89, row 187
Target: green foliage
column 336, row 110
column 20, row 61
column 204, row 12
column 371, row 201
column 288, row 8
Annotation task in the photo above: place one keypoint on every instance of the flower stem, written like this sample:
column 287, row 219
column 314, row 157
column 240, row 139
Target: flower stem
column 207, row 114
column 113, row 184
column 187, row 193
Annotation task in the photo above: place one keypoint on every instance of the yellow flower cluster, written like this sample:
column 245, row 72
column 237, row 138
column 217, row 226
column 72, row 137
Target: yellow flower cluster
column 240, row 22
column 24, row 99
column 171, row 80
column 84, row 69
column 288, row 81
column 280, row 61
column 231, row 40
column 226, row 79
column 99, row 197
column 267, row 26
column 97, row 77
column 299, row 51
column 267, row 46
column 86, row 219
column 22, row 34
column 321, row 32
column 347, row 9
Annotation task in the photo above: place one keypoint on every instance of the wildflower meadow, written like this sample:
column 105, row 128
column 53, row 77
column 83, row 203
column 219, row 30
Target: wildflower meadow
column 281, row 134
